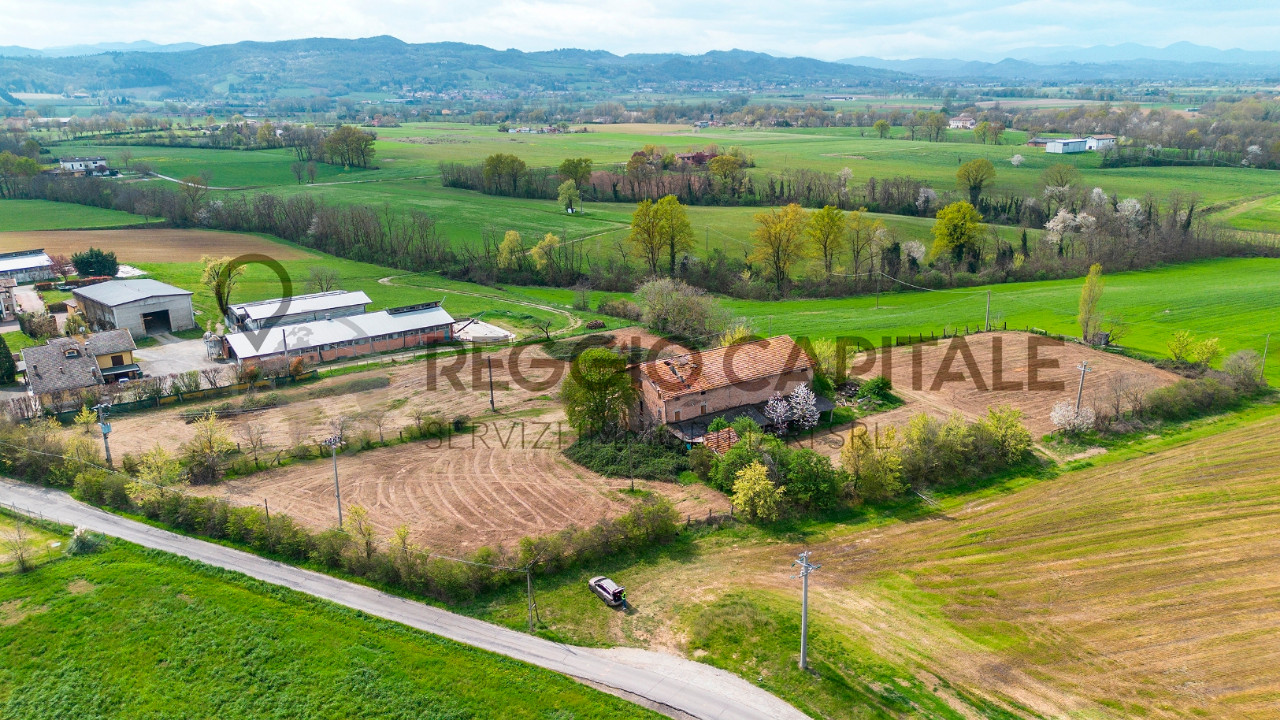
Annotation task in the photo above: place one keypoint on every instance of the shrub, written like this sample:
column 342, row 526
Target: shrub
column 701, row 460
column 755, row 495
column 873, row 464
column 812, row 482
column 1187, row 399
column 1070, row 420
column 620, row 308
column 629, row 457
column 1244, row 368
column 83, row 542
column 878, row 387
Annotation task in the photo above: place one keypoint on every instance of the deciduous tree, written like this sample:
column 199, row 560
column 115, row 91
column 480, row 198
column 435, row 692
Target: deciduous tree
column 597, row 392
column 973, row 176
column 220, row 276
column 1089, row 316
column 781, row 240
column 645, row 239
column 674, row 229
column 826, row 233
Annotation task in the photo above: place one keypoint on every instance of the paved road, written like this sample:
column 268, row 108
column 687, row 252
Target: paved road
column 687, row 687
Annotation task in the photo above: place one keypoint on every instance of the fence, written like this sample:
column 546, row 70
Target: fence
column 175, row 398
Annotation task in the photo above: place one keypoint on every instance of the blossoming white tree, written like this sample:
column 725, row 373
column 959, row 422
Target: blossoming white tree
column 1069, row 419
column 804, row 407
column 778, row 411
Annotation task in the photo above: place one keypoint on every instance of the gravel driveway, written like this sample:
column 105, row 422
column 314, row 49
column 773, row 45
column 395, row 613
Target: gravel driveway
column 174, row 356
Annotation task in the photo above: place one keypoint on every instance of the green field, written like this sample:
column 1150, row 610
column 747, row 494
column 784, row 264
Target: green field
column 1059, row 594
column 408, row 176
column 26, row 215
column 1236, row 300
column 140, row 634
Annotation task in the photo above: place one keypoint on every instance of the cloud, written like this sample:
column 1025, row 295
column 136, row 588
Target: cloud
column 827, row 29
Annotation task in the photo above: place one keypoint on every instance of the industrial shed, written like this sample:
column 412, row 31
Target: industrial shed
column 26, row 266
column 143, row 306
column 297, row 309
column 326, row 340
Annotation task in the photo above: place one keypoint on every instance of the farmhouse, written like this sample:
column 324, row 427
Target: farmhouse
column 324, row 340
column 141, row 306
column 1100, row 142
column 1066, row 146
column 297, row 309
column 8, row 302
column 687, row 392
column 84, row 166
column 26, row 266
column 64, row 366
column 963, row 121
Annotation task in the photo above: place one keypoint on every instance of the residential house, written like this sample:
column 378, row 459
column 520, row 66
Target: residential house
column 343, row 337
column 84, row 166
column 296, row 309
column 59, row 371
column 8, row 301
column 963, row 121
column 686, row 392
column 143, row 306
column 1100, row 142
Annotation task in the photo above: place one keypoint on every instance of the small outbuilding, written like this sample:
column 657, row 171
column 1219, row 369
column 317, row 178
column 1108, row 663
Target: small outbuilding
column 1066, row 146
column 142, row 306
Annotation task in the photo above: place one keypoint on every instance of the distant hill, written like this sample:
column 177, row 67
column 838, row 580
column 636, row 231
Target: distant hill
column 1181, row 52
column 1022, row 70
column 386, row 64
column 74, row 50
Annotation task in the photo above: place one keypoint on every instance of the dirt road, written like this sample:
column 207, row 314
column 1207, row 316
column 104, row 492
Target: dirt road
column 679, row 687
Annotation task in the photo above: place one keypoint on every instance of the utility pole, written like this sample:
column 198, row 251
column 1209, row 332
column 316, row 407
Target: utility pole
column 1263, row 375
column 528, row 576
column 806, row 567
column 106, row 430
column 986, row 325
column 491, row 405
column 1083, row 367
column 332, row 442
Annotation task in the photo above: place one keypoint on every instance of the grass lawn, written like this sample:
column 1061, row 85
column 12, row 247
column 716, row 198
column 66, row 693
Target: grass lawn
column 133, row 633
column 17, row 340
column 27, row 215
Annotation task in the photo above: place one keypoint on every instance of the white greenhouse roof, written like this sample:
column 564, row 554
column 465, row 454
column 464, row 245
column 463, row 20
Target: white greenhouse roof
column 313, row 334
column 300, row 304
column 29, row 261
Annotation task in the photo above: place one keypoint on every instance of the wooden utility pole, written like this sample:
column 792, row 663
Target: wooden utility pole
column 1083, row 367
column 986, row 325
column 106, row 430
column 491, row 405
column 1262, row 376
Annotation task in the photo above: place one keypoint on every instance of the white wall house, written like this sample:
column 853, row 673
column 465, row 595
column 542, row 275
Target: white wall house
column 963, row 121
column 1066, row 146
column 1100, row 142
column 89, row 165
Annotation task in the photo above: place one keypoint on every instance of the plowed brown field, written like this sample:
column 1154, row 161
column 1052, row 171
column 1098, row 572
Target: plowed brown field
column 150, row 246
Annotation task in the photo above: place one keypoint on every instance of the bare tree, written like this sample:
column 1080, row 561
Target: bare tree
column 299, row 169
column 254, row 436
column 212, row 376
column 19, row 546
column 377, row 419
column 323, row 279
column 543, row 326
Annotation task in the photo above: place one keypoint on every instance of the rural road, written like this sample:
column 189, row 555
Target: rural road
column 675, row 686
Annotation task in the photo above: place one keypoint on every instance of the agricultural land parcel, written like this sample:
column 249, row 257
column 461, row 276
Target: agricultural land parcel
column 131, row 633
column 1139, row 587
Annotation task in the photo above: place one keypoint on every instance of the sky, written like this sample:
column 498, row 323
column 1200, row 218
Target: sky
column 825, row 29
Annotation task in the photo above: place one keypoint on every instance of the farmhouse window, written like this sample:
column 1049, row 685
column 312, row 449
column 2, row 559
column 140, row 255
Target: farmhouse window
column 677, row 416
column 117, row 360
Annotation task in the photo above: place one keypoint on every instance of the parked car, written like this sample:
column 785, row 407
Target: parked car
column 609, row 591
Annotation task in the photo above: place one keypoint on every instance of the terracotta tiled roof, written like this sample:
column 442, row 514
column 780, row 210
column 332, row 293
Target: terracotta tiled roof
column 720, row 441
column 701, row 371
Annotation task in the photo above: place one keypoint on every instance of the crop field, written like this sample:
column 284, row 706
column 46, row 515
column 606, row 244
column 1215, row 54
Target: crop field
column 408, row 178
column 27, row 215
column 126, row 632
column 458, row 495
column 493, row 485
column 1140, row 587
column 151, row 245
column 939, row 380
